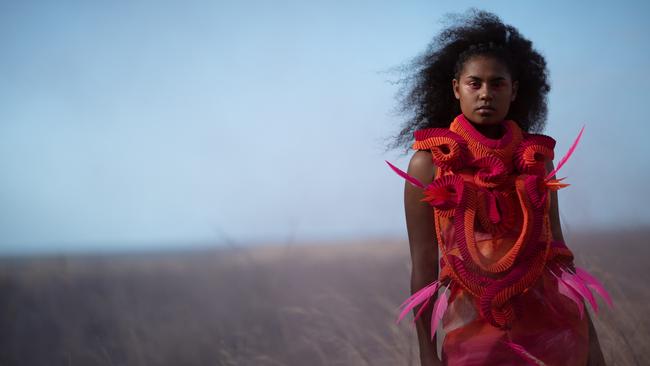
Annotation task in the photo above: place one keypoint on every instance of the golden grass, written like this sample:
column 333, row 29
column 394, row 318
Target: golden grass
column 283, row 305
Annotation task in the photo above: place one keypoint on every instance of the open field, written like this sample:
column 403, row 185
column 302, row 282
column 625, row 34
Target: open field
column 324, row 304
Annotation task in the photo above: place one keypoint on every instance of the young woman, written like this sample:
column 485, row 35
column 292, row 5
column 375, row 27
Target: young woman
column 507, row 291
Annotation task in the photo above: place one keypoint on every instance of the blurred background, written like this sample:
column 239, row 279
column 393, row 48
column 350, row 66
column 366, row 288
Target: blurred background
column 254, row 133
column 142, row 124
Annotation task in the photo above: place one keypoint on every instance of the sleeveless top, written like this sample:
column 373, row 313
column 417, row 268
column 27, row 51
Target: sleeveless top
column 511, row 294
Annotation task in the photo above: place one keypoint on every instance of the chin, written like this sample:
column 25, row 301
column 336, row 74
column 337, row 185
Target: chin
column 486, row 119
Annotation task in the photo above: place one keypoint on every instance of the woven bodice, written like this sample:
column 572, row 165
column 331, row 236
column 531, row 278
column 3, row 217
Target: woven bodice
column 491, row 209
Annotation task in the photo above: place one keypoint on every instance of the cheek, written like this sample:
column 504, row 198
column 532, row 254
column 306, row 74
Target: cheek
column 467, row 93
column 505, row 94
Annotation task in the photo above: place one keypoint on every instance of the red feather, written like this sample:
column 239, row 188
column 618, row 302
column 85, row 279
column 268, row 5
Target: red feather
column 404, row 175
column 566, row 156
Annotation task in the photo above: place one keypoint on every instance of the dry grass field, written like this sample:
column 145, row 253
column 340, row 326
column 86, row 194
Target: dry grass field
column 321, row 304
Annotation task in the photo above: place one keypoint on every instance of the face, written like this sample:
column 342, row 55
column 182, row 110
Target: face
column 485, row 90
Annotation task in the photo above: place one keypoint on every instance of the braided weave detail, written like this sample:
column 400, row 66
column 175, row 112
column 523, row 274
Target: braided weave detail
column 497, row 186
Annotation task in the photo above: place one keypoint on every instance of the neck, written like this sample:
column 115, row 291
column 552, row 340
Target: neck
column 491, row 131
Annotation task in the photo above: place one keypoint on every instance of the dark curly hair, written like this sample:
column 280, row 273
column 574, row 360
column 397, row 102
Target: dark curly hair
column 426, row 93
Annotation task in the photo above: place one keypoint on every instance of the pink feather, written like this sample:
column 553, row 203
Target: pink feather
column 417, row 298
column 567, row 291
column 593, row 283
column 424, row 306
column 521, row 351
column 404, row 175
column 566, row 156
column 577, row 285
column 420, row 292
column 438, row 311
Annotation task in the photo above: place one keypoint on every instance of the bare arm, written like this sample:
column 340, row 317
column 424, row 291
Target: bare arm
column 595, row 353
column 423, row 246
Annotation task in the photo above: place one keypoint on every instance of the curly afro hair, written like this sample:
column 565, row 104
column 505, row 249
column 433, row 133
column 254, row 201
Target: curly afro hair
column 427, row 96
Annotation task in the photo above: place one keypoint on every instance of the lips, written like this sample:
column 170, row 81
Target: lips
column 485, row 108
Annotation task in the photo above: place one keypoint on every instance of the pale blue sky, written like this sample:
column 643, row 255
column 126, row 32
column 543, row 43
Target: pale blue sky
column 134, row 124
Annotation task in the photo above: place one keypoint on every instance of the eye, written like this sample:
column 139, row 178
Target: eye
column 498, row 83
column 475, row 84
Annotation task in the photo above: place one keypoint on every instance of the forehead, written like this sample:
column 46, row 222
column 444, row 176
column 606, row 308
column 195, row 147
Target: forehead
column 485, row 67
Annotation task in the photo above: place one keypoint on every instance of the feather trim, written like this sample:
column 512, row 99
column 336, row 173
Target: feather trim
column 422, row 307
column 567, row 155
column 417, row 298
column 404, row 175
column 569, row 292
column 576, row 283
column 556, row 184
column 438, row 311
column 595, row 285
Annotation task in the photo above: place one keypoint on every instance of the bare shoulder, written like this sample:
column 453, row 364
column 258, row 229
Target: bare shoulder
column 549, row 165
column 421, row 166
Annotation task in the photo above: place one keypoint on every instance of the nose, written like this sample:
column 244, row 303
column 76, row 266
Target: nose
column 485, row 93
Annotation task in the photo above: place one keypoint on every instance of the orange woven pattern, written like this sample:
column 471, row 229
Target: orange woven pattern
column 505, row 262
column 448, row 150
column 478, row 149
column 490, row 193
column 508, row 203
column 534, row 270
column 532, row 153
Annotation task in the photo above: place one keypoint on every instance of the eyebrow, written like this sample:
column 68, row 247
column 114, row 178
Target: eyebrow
column 493, row 79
